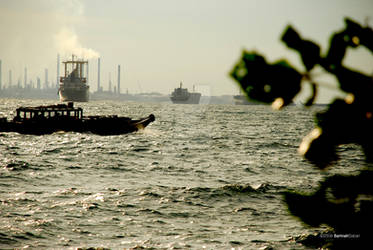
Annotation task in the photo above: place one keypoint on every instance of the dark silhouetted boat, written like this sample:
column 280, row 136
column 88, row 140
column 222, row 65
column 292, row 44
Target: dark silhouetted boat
column 65, row 117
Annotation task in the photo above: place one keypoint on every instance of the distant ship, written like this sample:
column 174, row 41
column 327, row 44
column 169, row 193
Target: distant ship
column 73, row 85
column 183, row 96
column 243, row 100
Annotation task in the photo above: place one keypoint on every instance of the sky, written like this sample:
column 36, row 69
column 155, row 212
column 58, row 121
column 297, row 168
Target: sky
column 161, row 43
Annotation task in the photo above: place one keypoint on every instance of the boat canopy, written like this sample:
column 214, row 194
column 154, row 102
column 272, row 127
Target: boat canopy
column 40, row 112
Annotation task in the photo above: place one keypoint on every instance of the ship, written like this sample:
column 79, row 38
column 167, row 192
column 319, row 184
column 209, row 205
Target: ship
column 243, row 100
column 73, row 85
column 183, row 96
column 49, row 119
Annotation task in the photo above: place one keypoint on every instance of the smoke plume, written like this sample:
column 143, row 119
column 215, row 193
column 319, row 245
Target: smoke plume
column 34, row 32
column 67, row 43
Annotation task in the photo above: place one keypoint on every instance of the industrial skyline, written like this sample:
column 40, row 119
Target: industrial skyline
column 50, row 83
column 160, row 43
column 48, row 89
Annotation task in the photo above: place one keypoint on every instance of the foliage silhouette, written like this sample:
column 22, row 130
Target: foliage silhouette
column 344, row 203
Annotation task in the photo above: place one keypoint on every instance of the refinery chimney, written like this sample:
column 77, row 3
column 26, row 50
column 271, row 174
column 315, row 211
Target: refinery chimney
column 87, row 73
column 0, row 75
column 58, row 71
column 98, row 75
column 46, row 79
column 25, row 80
column 110, row 82
column 10, row 78
column 118, row 89
column 38, row 83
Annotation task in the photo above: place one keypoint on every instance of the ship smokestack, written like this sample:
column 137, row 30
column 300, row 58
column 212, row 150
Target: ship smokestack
column 58, row 70
column 118, row 80
column 98, row 74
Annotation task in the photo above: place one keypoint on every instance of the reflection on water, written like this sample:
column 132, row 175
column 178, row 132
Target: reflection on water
column 200, row 175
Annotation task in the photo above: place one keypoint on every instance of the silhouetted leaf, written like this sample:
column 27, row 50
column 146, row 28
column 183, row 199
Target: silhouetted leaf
column 343, row 202
column 321, row 150
column 347, row 122
column 309, row 51
column 311, row 100
column 266, row 82
column 308, row 207
column 337, row 51
column 354, row 82
column 359, row 35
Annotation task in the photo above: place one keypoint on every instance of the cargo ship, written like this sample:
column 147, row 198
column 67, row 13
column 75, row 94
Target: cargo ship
column 183, row 96
column 73, row 85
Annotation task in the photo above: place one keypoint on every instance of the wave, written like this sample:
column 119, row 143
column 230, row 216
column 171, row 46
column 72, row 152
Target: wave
column 6, row 240
column 231, row 190
column 17, row 166
column 209, row 175
column 278, row 145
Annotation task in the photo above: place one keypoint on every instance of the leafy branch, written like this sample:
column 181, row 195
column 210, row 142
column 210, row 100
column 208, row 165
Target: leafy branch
column 343, row 202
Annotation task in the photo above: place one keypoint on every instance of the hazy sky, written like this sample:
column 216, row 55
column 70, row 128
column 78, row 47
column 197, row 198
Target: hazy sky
column 160, row 43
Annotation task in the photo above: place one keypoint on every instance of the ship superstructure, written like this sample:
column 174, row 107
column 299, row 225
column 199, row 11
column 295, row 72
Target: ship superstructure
column 183, row 96
column 73, row 85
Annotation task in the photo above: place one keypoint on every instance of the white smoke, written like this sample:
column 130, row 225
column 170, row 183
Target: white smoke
column 34, row 32
column 67, row 43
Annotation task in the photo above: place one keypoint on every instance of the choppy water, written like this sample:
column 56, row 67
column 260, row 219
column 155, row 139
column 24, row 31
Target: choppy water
column 199, row 176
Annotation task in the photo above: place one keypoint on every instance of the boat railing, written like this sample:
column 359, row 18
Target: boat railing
column 61, row 111
column 64, row 78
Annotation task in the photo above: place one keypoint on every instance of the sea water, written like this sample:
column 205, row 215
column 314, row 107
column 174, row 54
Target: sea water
column 200, row 176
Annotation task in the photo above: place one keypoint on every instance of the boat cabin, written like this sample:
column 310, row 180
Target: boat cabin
column 47, row 112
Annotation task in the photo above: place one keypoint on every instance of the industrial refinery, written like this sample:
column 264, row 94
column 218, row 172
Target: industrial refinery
column 75, row 77
column 73, row 85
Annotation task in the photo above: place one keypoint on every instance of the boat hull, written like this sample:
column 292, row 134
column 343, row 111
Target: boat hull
column 73, row 93
column 193, row 99
column 101, row 125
